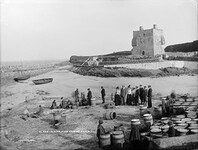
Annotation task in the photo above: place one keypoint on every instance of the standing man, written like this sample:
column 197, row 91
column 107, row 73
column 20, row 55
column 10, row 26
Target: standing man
column 149, row 97
column 136, row 96
column 122, row 95
column 76, row 95
column 129, row 96
column 100, row 130
column 103, row 94
column 141, row 91
column 145, row 95
column 89, row 96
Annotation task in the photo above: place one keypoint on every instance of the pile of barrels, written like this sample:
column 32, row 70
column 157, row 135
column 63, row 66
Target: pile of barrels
column 188, row 104
column 183, row 126
column 114, row 139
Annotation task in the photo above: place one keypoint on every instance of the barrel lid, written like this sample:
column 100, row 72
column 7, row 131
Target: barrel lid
column 165, row 127
column 179, row 122
column 164, row 118
column 146, row 115
column 181, row 99
column 135, row 120
column 182, row 130
column 117, row 132
column 179, row 127
column 191, row 112
column 189, row 100
column 194, row 125
column 175, row 119
column 165, row 130
column 155, row 130
column 144, row 133
column 180, row 116
column 191, row 122
column 136, row 123
column 194, row 130
column 142, row 108
column 155, row 127
column 192, row 116
column 186, row 119
column 183, row 124
column 157, row 124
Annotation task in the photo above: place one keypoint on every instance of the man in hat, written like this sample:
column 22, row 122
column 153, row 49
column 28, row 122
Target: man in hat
column 76, row 93
column 136, row 96
column 100, row 129
column 89, row 96
column 123, row 95
column 141, row 92
column 145, row 95
column 134, row 137
column 103, row 94
column 149, row 96
column 171, row 131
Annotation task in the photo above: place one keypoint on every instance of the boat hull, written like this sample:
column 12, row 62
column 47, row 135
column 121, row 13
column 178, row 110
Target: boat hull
column 42, row 81
column 21, row 78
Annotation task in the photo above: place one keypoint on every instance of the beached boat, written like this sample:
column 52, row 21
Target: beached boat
column 21, row 78
column 42, row 81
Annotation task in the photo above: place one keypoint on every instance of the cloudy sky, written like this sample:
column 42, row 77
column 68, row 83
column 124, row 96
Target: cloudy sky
column 57, row 29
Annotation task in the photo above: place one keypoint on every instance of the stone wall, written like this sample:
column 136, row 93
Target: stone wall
column 152, row 65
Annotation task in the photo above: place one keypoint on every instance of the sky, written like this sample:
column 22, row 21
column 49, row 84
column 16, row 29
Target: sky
column 57, row 29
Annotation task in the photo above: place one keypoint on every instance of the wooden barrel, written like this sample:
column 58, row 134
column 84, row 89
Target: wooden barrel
column 117, row 137
column 105, row 140
column 135, row 122
column 180, row 116
column 109, row 115
column 194, row 131
column 195, row 119
column 156, row 133
column 63, row 117
column 183, row 125
column 143, row 110
column 186, row 119
column 182, row 131
column 148, row 118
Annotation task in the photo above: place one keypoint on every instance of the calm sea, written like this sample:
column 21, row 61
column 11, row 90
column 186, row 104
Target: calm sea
column 30, row 63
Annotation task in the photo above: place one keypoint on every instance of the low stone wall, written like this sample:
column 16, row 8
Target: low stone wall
column 152, row 65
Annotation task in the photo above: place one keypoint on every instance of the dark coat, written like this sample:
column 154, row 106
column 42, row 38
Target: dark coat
column 100, row 130
column 89, row 95
column 141, row 92
column 135, row 134
column 171, row 131
column 150, row 93
column 103, row 92
column 123, row 92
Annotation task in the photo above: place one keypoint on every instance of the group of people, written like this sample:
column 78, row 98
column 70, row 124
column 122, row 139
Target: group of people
column 124, row 95
column 133, row 95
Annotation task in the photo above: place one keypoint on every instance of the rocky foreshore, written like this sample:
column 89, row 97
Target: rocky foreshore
column 126, row 72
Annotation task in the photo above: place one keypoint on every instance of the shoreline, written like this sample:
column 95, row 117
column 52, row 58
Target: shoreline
column 126, row 72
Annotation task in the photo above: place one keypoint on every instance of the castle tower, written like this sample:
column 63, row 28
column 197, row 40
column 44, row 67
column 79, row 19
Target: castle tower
column 148, row 42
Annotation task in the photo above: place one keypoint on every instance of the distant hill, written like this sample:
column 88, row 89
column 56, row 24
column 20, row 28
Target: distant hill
column 184, row 47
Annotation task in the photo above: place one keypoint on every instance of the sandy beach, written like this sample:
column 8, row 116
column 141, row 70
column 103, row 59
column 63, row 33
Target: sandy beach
column 27, row 134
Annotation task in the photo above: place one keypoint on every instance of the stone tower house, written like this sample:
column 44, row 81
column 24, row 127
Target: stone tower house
column 148, row 42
